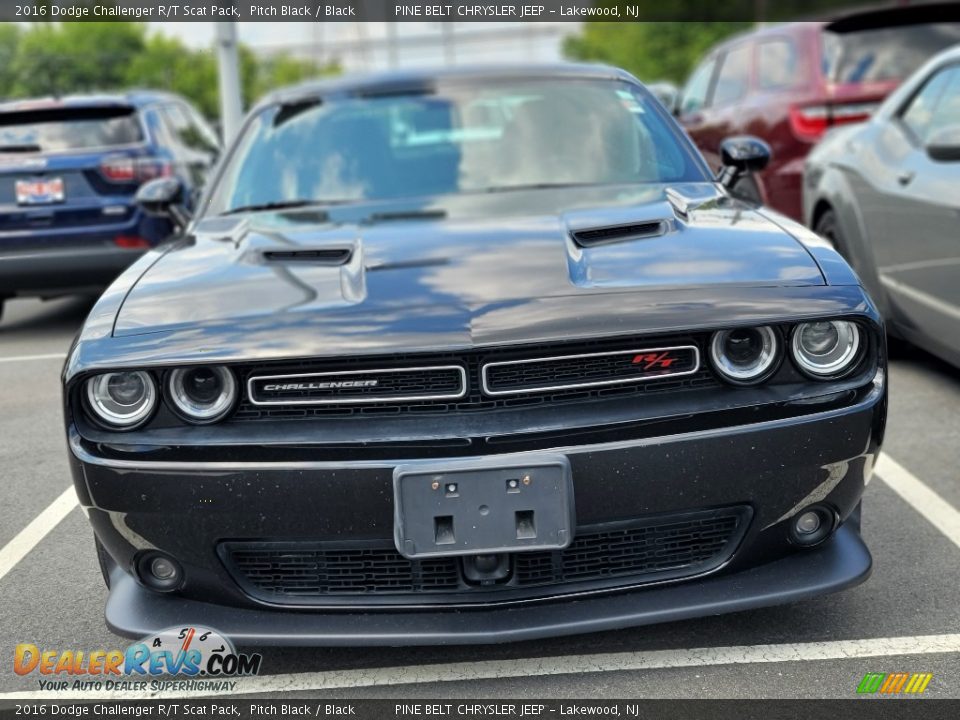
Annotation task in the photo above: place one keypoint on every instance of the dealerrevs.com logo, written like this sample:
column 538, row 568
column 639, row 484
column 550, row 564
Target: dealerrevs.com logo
column 185, row 652
column 894, row 683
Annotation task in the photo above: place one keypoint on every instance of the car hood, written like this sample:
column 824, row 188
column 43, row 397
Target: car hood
column 377, row 266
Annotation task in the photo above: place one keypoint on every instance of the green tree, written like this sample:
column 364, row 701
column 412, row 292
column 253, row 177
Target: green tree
column 9, row 40
column 61, row 58
column 284, row 69
column 650, row 50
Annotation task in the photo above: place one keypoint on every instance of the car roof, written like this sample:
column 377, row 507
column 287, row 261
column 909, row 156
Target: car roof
column 131, row 98
column 413, row 79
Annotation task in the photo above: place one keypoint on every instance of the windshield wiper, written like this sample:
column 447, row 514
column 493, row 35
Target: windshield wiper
column 283, row 205
column 23, row 148
column 531, row 186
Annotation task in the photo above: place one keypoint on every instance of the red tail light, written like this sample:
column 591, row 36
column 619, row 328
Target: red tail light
column 130, row 242
column 810, row 122
column 124, row 169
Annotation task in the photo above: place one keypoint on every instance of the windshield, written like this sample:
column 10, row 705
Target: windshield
column 881, row 54
column 458, row 139
column 62, row 129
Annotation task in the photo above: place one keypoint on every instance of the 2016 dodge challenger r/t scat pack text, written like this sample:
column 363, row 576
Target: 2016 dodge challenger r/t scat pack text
column 468, row 357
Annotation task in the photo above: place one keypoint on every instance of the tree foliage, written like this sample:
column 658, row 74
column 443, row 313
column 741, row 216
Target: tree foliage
column 62, row 58
column 651, row 51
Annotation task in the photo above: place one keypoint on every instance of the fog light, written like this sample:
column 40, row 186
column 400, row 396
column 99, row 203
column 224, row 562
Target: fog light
column 812, row 525
column 808, row 523
column 159, row 572
column 163, row 569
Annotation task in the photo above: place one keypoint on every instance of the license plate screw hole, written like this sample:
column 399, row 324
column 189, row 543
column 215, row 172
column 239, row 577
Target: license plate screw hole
column 484, row 510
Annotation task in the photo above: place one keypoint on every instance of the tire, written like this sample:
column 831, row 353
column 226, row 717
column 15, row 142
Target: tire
column 828, row 227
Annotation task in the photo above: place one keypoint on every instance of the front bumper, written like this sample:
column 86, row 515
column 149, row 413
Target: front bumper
column 776, row 468
column 841, row 563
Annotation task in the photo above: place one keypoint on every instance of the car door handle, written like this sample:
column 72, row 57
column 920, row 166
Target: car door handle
column 906, row 177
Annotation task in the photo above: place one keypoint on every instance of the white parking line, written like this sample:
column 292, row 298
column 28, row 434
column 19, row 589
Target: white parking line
column 941, row 514
column 14, row 551
column 564, row 665
column 31, row 358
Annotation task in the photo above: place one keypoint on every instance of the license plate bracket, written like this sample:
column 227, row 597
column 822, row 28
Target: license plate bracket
column 479, row 508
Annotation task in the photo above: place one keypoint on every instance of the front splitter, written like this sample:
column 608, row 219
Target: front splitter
column 843, row 562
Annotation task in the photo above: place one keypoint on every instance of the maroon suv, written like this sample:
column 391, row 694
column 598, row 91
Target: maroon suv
column 789, row 83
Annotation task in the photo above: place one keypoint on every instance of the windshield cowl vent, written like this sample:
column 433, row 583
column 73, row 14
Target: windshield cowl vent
column 592, row 237
column 315, row 256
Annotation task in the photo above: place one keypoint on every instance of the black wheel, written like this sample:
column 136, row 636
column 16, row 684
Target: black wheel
column 828, row 227
column 105, row 561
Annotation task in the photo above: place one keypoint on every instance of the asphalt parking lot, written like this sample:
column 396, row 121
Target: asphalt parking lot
column 906, row 618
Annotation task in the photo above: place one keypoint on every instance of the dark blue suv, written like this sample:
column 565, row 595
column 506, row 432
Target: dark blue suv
column 69, row 169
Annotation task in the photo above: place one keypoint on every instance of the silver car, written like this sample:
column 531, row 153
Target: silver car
column 887, row 194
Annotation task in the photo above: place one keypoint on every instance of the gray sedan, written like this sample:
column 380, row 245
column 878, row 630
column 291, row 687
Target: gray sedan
column 887, row 194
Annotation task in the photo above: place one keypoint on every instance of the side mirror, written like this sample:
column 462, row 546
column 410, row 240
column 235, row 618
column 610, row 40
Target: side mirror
column 740, row 156
column 944, row 144
column 164, row 197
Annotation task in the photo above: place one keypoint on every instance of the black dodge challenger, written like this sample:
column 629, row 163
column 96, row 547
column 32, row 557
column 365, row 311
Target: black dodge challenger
column 467, row 357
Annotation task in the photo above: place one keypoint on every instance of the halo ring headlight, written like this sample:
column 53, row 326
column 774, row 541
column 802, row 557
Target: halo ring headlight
column 122, row 400
column 202, row 394
column 745, row 356
column 826, row 348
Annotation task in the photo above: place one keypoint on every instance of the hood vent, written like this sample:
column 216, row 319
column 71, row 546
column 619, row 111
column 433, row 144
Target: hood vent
column 620, row 233
column 316, row 256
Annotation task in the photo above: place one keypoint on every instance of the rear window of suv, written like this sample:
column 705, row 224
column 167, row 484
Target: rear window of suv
column 64, row 129
column 885, row 53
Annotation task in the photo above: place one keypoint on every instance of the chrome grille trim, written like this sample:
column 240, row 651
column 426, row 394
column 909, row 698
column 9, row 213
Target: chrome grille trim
column 594, row 383
column 358, row 400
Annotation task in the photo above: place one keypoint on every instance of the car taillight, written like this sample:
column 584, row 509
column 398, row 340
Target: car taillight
column 124, row 169
column 131, row 242
column 810, row 122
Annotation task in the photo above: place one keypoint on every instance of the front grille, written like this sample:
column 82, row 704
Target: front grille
column 358, row 386
column 601, row 556
column 474, row 399
column 589, row 370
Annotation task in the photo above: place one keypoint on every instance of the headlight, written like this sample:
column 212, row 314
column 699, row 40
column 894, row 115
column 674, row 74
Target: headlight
column 122, row 399
column 745, row 355
column 826, row 348
column 202, row 394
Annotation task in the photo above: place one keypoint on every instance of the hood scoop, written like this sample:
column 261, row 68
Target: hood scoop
column 591, row 237
column 329, row 257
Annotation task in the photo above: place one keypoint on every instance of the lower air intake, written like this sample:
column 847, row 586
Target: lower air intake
column 602, row 556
